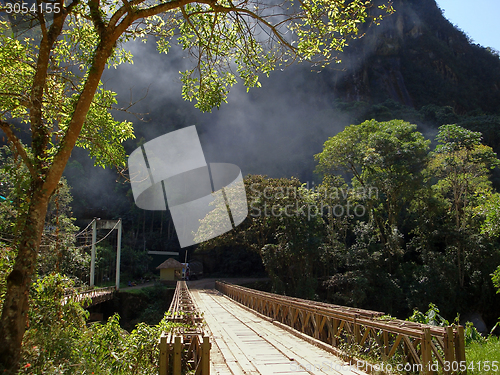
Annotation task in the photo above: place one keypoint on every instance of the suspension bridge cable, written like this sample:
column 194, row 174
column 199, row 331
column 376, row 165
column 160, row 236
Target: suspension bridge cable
column 102, row 239
column 87, row 227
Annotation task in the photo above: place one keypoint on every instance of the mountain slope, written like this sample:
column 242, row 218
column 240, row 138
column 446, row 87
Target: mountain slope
column 417, row 57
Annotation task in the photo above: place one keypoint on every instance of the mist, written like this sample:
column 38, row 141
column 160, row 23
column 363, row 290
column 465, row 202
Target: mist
column 273, row 130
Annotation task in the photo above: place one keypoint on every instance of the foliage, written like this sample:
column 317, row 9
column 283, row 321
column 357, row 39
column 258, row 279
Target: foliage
column 399, row 247
column 383, row 164
column 54, row 328
column 58, row 340
column 7, row 257
column 101, row 135
column 490, row 208
column 13, row 187
column 471, row 334
column 158, row 300
column 461, row 165
column 478, row 349
column 431, row 317
column 387, row 156
column 480, row 352
column 283, row 228
column 57, row 251
column 495, row 277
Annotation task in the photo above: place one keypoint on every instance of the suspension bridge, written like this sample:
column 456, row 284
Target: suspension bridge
column 91, row 296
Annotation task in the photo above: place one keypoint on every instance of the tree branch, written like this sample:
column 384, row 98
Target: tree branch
column 157, row 9
column 223, row 9
column 40, row 134
column 5, row 126
column 101, row 56
column 41, row 18
column 122, row 11
column 73, row 4
column 94, row 6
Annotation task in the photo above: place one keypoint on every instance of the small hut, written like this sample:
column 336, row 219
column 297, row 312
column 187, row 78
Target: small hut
column 170, row 270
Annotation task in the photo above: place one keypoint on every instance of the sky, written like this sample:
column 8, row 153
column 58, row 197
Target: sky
column 478, row 19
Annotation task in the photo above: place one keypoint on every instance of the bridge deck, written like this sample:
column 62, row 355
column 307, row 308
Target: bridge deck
column 247, row 344
column 96, row 295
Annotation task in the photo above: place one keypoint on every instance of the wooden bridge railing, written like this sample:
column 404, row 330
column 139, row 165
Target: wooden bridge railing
column 96, row 295
column 421, row 346
column 184, row 348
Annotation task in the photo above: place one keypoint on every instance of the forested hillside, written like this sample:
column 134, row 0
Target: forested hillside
column 418, row 58
column 394, row 225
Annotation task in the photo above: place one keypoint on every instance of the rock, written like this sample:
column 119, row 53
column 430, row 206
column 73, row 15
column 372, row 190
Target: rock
column 477, row 321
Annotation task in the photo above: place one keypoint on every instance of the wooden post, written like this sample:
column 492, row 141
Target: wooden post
column 163, row 355
column 449, row 350
column 118, row 254
column 357, row 334
column 427, row 352
column 317, row 322
column 334, row 332
column 205, row 356
column 460, row 347
column 385, row 351
column 92, row 252
column 177, row 361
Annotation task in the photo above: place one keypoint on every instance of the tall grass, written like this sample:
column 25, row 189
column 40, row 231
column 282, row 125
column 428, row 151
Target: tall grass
column 483, row 357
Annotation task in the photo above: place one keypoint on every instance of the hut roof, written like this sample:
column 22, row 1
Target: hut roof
column 170, row 263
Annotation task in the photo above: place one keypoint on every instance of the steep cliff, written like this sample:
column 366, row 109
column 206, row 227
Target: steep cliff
column 417, row 57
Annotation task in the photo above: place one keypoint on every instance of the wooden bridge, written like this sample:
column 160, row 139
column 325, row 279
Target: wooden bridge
column 93, row 296
column 253, row 332
column 184, row 348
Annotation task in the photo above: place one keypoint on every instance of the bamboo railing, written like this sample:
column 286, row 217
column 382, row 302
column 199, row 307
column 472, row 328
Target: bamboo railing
column 185, row 348
column 424, row 348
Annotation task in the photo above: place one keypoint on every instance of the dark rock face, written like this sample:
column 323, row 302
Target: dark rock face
column 416, row 57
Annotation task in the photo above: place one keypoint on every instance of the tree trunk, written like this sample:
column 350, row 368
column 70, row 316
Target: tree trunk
column 44, row 181
column 15, row 307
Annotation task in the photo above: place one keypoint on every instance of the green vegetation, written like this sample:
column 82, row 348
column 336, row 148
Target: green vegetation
column 59, row 341
column 394, row 225
column 157, row 299
column 51, row 66
column 495, row 277
column 479, row 353
column 433, row 318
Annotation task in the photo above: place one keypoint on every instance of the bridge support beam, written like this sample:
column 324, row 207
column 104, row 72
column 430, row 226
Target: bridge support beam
column 118, row 254
column 92, row 259
column 106, row 224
